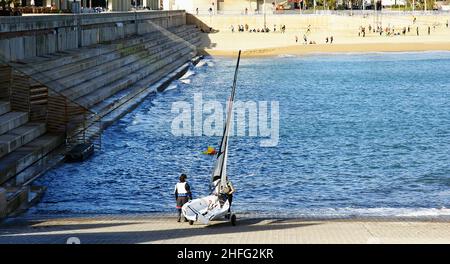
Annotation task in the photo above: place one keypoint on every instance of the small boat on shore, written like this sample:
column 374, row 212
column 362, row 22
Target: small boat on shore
column 216, row 205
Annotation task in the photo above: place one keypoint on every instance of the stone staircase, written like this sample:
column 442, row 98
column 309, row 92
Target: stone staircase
column 91, row 75
column 58, row 95
column 22, row 143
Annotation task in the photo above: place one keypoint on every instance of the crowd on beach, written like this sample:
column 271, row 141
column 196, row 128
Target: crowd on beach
column 412, row 28
column 246, row 28
column 392, row 30
column 281, row 29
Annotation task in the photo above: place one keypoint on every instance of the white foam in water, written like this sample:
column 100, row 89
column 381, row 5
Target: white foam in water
column 427, row 212
column 136, row 121
column 286, row 56
column 201, row 64
column 172, row 86
column 359, row 212
column 185, row 81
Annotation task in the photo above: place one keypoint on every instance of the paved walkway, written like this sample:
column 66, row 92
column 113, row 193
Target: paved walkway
column 143, row 229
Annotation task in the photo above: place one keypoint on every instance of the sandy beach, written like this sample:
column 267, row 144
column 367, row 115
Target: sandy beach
column 163, row 230
column 272, row 44
column 400, row 33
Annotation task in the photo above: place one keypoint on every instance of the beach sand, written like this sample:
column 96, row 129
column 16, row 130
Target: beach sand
column 163, row 230
column 275, row 44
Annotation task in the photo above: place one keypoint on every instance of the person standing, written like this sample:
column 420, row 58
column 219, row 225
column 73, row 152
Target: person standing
column 225, row 194
column 182, row 194
column 229, row 191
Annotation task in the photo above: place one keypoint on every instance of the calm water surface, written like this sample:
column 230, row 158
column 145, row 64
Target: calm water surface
column 359, row 135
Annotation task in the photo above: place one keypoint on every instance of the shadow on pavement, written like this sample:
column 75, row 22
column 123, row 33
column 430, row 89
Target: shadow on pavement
column 59, row 234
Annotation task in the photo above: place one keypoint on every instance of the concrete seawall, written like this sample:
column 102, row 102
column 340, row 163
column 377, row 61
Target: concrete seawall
column 29, row 36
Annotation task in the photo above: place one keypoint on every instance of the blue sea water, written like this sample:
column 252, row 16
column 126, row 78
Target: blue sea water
column 360, row 134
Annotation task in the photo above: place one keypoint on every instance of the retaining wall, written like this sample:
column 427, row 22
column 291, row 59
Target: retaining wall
column 29, row 36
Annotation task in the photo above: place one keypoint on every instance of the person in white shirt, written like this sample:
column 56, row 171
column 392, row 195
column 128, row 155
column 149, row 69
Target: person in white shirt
column 182, row 194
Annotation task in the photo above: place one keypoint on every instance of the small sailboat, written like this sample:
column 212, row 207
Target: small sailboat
column 216, row 205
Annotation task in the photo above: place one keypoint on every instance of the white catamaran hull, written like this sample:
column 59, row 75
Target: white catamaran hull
column 205, row 209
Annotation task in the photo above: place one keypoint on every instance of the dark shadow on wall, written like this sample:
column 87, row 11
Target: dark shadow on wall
column 205, row 31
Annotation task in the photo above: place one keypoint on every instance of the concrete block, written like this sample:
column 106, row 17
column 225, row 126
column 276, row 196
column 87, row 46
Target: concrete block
column 5, row 51
column 20, row 136
column 12, row 120
column 5, row 107
column 3, row 203
column 18, row 160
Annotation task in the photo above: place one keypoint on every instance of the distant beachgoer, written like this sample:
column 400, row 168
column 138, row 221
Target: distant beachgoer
column 196, row 11
column 414, row 20
column 246, row 27
column 305, row 39
column 182, row 194
column 232, row 29
column 308, row 30
column 417, row 31
column 210, row 11
column 274, row 28
column 331, row 40
column 446, row 24
column 326, row 40
column 246, row 11
column 296, row 39
column 429, row 30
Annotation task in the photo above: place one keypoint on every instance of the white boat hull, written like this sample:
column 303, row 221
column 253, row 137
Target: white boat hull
column 205, row 209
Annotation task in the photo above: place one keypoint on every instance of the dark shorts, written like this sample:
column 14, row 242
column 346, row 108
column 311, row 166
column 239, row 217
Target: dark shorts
column 181, row 201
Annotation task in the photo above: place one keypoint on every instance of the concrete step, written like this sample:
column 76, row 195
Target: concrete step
column 74, row 67
column 113, row 76
column 21, row 158
column 5, row 107
column 106, row 106
column 20, row 136
column 58, row 59
column 12, row 120
column 104, row 66
column 163, row 58
column 120, row 60
column 127, row 106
